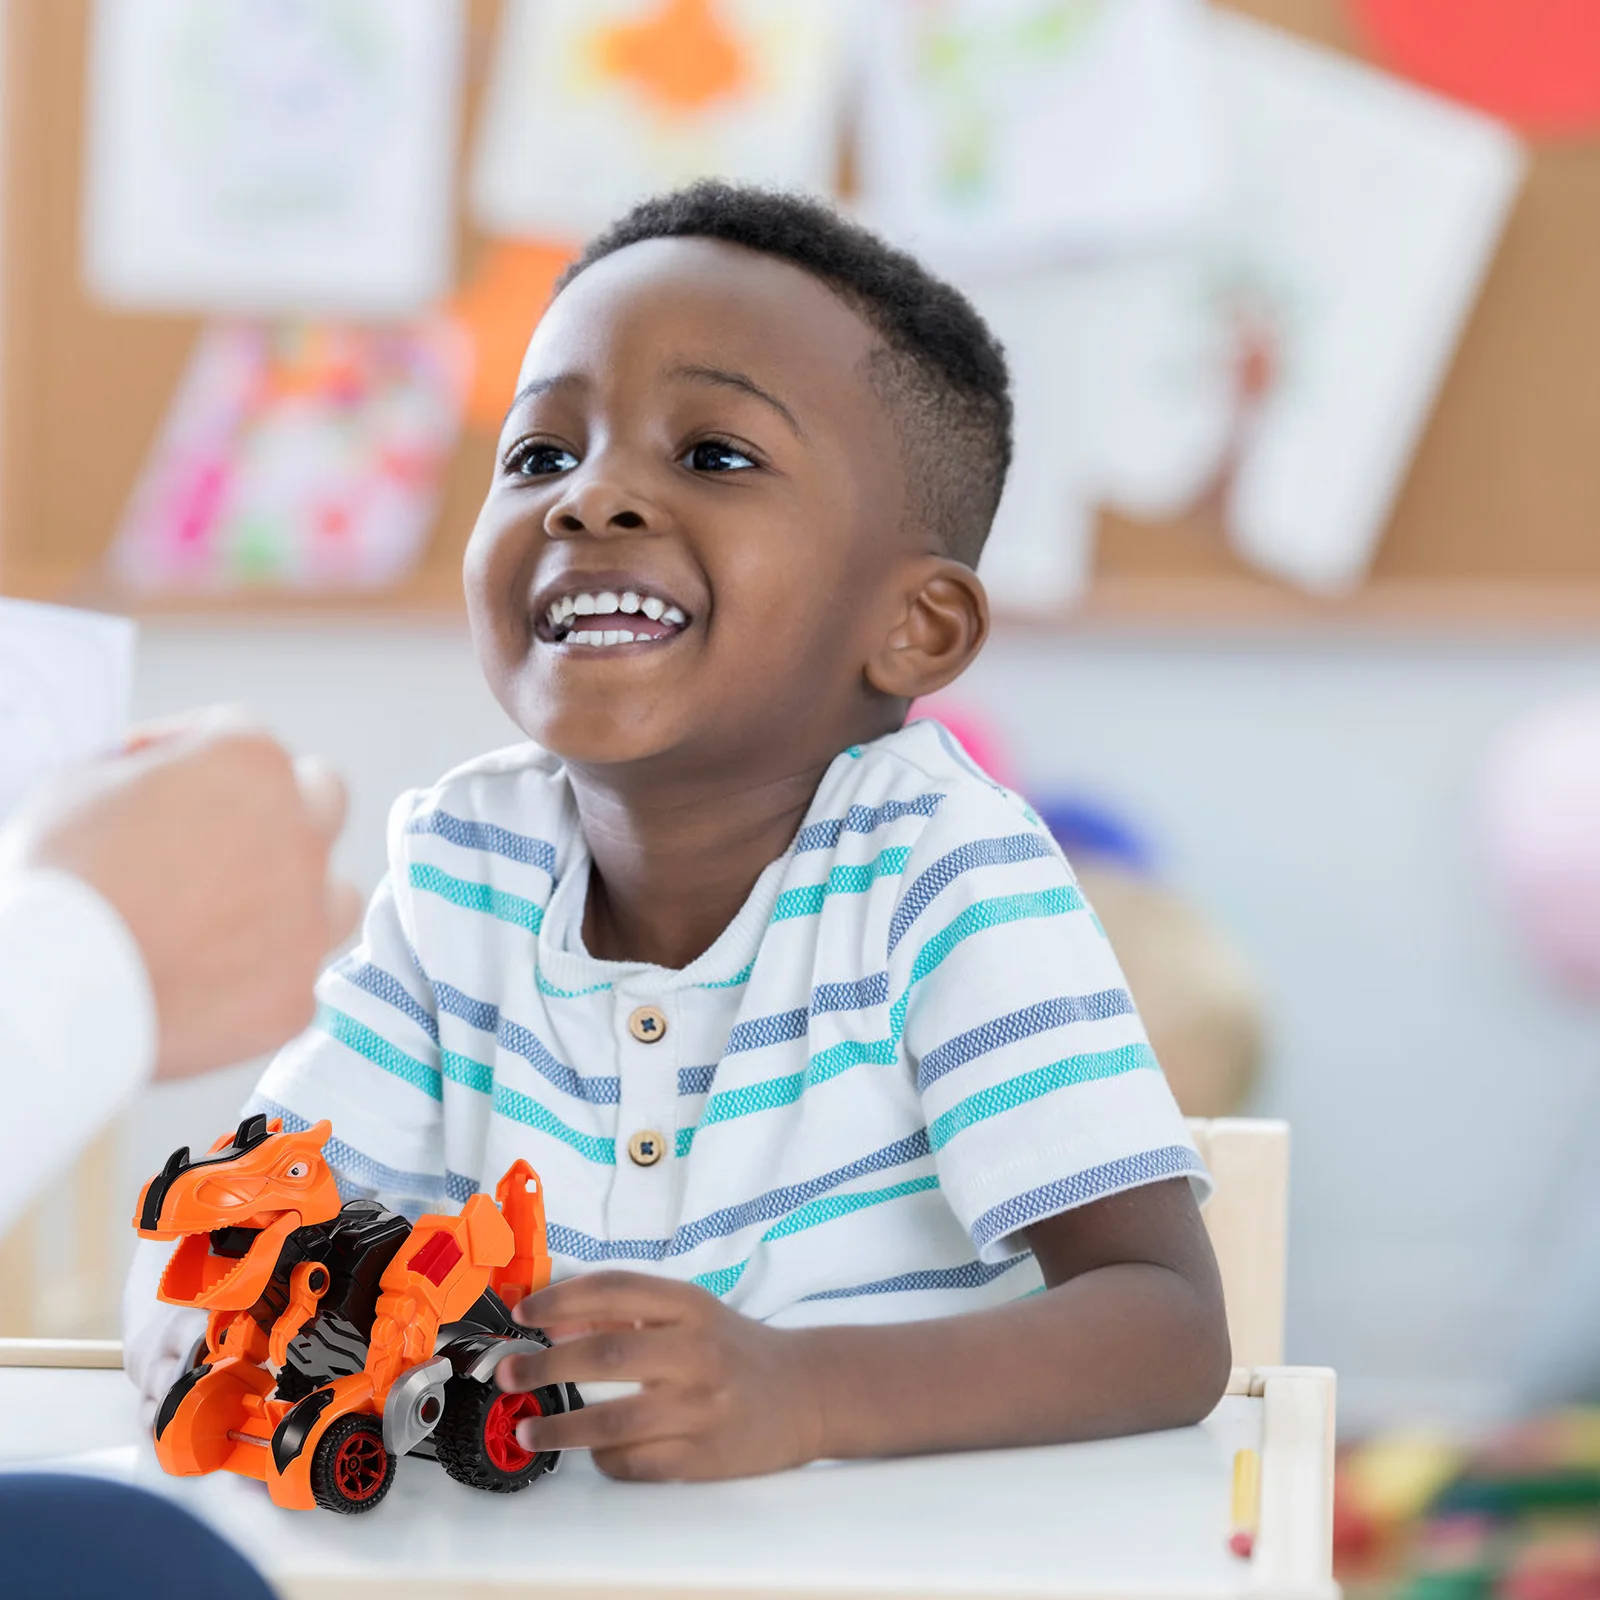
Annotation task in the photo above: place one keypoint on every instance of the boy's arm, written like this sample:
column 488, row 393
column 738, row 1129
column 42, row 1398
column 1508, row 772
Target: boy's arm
column 1128, row 1336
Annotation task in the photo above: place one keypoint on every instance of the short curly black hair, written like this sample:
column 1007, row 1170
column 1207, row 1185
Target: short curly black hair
column 940, row 371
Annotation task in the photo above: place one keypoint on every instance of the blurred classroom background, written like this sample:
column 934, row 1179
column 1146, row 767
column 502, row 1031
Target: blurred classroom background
column 1297, row 581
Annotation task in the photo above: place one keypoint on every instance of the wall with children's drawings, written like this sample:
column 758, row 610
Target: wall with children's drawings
column 1317, row 795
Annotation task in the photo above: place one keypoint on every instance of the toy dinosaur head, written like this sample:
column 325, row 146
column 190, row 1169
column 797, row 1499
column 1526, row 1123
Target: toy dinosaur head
column 233, row 1208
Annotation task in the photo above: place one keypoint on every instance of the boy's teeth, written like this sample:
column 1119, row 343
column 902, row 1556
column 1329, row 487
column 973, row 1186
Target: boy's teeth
column 561, row 613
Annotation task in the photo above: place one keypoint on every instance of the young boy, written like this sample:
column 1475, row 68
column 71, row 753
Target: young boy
column 825, row 1064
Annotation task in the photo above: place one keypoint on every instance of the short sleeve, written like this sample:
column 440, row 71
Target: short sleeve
column 371, row 1061
column 1039, row 1086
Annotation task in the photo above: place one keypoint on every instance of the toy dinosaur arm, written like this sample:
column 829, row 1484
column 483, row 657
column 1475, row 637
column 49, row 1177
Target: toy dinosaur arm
column 235, row 1333
column 307, row 1285
column 433, row 1279
column 521, row 1198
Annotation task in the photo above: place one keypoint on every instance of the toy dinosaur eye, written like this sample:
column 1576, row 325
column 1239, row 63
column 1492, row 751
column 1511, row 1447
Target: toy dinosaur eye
column 298, row 1170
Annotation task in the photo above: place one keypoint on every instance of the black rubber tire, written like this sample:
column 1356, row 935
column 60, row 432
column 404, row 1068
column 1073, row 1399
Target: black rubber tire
column 459, row 1438
column 324, row 1481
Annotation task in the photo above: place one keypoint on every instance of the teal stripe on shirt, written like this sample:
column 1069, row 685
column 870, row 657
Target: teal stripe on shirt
column 828, row 1209
column 825, row 1064
column 521, row 1108
column 376, row 1049
column 977, row 918
column 484, row 897
column 809, row 900
column 773, row 1092
column 467, row 1072
column 1018, row 1091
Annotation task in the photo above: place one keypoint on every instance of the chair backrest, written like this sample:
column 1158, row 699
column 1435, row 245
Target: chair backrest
column 19, row 1286
column 1247, row 1218
column 71, row 1288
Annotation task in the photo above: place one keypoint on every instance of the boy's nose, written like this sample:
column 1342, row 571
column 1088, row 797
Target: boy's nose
column 596, row 507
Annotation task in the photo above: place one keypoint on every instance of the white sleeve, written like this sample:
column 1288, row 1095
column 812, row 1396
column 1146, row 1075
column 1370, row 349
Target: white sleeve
column 77, row 1025
column 1040, row 1089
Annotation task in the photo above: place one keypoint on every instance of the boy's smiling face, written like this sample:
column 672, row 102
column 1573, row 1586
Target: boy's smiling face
column 697, row 452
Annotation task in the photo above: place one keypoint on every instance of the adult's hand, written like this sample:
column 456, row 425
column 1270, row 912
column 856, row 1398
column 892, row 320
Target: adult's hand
column 212, row 844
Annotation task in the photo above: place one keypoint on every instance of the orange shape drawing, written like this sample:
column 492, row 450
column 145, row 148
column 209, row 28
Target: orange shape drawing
column 682, row 59
column 499, row 310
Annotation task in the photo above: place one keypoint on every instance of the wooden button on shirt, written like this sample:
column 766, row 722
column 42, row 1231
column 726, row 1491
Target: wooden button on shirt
column 648, row 1025
column 646, row 1147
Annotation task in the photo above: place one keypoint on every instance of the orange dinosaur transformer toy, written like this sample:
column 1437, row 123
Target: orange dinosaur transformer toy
column 342, row 1337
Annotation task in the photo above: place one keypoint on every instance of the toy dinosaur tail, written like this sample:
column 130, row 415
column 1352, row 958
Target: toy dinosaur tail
column 520, row 1195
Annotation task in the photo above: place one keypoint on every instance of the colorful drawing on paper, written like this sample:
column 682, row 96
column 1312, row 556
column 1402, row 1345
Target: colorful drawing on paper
column 303, row 457
column 682, row 58
column 1275, row 368
column 593, row 104
column 1005, row 134
column 971, row 68
column 272, row 156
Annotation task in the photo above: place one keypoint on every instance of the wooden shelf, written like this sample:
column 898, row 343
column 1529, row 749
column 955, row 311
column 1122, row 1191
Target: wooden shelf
column 1431, row 608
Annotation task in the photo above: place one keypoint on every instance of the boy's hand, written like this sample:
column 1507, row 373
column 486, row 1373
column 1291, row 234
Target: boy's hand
column 722, row 1395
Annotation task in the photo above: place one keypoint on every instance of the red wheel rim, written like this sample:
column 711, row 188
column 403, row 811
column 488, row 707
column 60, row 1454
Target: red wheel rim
column 359, row 1466
column 500, row 1431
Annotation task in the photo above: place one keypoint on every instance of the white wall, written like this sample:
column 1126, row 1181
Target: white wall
column 1317, row 795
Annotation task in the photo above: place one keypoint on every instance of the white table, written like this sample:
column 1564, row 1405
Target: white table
column 1142, row 1517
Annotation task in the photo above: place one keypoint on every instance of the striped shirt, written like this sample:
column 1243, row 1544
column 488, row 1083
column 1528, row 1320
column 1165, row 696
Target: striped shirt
column 911, row 1043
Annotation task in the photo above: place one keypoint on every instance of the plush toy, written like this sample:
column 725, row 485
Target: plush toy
column 1542, row 815
column 1542, row 836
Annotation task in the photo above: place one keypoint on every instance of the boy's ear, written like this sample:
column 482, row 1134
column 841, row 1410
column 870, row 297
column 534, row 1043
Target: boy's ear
column 942, row 621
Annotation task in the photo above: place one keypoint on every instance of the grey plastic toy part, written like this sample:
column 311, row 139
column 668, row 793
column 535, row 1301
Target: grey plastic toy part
column 414, row 1406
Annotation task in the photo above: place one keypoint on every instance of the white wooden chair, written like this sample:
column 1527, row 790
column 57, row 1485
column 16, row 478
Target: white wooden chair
column 1247, row 1219
column 57, row 1271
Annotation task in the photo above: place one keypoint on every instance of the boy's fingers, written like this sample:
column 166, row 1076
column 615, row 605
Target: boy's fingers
column 639, row 1419
column 658, row 1461
column 611, row 1297
column 617, row 1355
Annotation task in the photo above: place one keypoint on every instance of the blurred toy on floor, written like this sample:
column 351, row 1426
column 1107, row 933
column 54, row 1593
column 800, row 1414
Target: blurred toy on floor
column 1418, row 1516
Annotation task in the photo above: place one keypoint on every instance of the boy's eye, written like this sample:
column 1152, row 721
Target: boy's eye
column 540, row 460
column 711, row 455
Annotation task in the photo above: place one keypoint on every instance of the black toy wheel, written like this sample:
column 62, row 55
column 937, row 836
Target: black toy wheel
column 476, row 1439
column 351, row 1470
